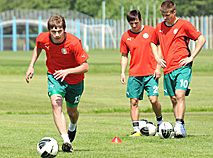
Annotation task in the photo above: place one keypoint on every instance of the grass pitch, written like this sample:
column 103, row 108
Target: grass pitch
column 26, row 115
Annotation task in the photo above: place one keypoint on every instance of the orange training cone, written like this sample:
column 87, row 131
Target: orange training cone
column 116, row 140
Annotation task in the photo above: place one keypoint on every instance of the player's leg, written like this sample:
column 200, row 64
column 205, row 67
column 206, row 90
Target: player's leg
column 174, row 103
column 156, row 106
column 72, row 98
column 73, row 115
column 180, row 110
column 60, row 121
column 134, row 112
column 151, row 87
column 56, row 92
column 135, row 93
column 59, row 118
column 182, row 80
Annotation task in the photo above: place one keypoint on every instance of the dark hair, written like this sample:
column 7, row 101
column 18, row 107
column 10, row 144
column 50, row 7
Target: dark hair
column 167, row 6
column 56, row 21
column 133, row 14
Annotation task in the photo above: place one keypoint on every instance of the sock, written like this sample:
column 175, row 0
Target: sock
column 65, row 138
column 72, row 126
column 159, row 119
column 180, row 121
column 136, row 126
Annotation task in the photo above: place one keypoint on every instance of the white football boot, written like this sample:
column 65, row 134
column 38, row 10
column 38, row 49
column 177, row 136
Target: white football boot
column 180, row 131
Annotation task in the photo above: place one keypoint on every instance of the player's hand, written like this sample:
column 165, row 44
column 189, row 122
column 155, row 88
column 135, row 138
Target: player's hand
column 123, row 79
column 29, row 73
column 157, row 73
column 60, row 74
column 184, row 62
column 162, row 63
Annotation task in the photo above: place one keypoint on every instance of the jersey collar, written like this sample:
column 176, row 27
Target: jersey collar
column 61, row 42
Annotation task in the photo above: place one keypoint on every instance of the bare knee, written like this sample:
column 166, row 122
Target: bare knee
column 56, row 101
column 72, row 112
column 153, row 100
column 134, row 102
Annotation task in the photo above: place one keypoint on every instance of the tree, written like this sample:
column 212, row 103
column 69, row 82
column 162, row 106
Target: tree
column 90, row 7
column 194, row 7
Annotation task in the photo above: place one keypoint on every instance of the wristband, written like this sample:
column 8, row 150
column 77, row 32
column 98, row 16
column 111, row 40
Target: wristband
column 122, row 74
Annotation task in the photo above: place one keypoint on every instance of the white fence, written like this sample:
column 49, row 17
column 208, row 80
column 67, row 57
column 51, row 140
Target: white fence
column 20, row 32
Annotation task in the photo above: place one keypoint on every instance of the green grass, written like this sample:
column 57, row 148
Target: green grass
column 26, row 115
column 20, row 134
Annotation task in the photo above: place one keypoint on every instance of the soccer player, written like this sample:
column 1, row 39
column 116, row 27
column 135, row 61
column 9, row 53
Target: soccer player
column 143, row 69
column 66, row 63
column 174, row 34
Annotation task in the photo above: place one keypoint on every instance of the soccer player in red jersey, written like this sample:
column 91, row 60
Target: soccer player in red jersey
column 143, row 69
column 173, row 35
column 66, row 63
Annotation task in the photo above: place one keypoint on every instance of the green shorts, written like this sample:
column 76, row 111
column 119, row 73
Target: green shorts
column 71, row 93
column 177, row 79
column 137, row 85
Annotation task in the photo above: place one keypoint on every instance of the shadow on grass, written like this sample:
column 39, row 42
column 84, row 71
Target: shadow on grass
column 75, row 150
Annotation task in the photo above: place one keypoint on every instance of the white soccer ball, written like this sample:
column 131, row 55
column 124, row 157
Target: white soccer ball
column 149, row 129
column 47, row 147
column 166, row 130
column 142, row 123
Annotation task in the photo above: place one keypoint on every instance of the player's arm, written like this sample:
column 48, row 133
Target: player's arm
column 82, row 68
column 158, row 55
column 124, row 62
column 30, row 71
column 200, row 42
column 157, row 73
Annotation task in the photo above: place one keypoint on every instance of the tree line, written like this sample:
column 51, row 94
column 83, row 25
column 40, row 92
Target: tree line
column 112, row 7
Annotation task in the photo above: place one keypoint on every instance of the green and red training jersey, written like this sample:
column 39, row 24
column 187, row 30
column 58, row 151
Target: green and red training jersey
column 174, row 42
column 68, row 54
column 142, row 61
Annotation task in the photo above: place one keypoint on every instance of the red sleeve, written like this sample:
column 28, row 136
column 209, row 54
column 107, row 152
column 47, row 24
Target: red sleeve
column 123, row 46
column 80, row 55
column 191, row 31
column 41, row 38
column 155, row 38
column 38, row 43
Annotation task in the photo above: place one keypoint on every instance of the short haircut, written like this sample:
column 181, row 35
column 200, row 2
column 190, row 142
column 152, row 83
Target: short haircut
column 56, row 21
column 133, row 14
column 167, row 6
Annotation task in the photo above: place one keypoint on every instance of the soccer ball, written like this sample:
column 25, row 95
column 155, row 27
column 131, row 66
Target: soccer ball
column 47, row 147
column 142, row 123
column 149, row 129
column 166, row 130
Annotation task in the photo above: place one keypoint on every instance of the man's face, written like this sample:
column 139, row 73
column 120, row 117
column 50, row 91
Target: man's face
column 169, row 17
column 57, row 34
column 135, row 25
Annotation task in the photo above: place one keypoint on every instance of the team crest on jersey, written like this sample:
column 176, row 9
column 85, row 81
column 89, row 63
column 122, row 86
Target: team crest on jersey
column 64, row 51
column 175, row 31
column 145, row 35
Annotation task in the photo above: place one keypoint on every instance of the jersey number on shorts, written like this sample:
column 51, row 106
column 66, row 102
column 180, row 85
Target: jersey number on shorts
column 77, row 98
column 184, row 83
column 155, row 89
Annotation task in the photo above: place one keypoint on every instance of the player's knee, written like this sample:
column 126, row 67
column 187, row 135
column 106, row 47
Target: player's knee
column 56, row 101
column 134, row 102
column 180, row 97
column 72, row 112
column 153, row 100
